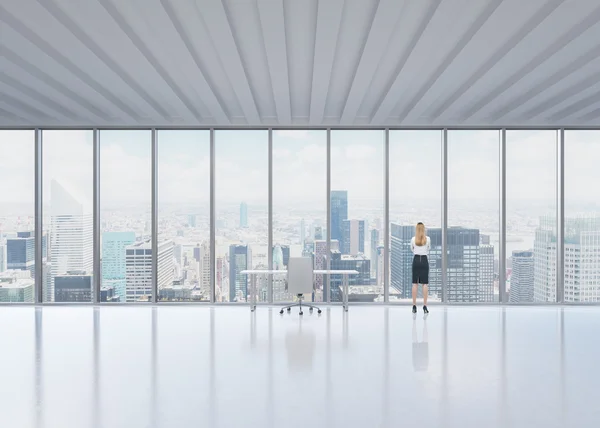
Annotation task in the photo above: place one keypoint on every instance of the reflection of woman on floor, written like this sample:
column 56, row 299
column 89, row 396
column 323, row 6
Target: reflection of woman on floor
column 420, row 350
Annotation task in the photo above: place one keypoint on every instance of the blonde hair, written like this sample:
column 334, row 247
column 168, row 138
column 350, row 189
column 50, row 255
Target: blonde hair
column 420, row 237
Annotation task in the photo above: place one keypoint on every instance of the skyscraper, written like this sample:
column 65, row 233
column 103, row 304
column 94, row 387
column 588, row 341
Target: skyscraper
column 20, row 252
column 353, row 241
column 522, row 277
column 582, row 259
column 463, row 263
column 114, row 260
column 138, row 259
column 2, row 255
column 204, row 262
column 16, row 286
column 192, row 220
column 486, row 272
column 374, row 246
column 401, row 260
column 544, row 255
column 72, row 234
column 243, row 215
column 341, row 261
column 318, row 233
column 339, row 213
column 240, row 258
column 279, row 283
column 73, row 286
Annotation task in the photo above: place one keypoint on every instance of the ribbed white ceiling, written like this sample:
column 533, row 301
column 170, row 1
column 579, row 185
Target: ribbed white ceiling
column 299, row 62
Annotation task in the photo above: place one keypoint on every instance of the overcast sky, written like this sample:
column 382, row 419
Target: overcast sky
column 299, row 165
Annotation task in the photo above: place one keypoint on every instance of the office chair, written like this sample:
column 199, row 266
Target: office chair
column 300, row 281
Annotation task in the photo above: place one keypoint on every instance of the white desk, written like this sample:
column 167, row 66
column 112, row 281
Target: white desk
column 345, row 274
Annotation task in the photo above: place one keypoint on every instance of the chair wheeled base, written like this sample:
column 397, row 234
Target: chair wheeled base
column 299, row 304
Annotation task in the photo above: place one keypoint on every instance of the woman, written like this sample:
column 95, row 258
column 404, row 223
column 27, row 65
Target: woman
column 420, row 245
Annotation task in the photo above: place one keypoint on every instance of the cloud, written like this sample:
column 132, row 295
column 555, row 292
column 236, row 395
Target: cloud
column 359, row 151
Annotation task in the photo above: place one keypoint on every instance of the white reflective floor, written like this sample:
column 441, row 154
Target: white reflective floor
column 372, row 367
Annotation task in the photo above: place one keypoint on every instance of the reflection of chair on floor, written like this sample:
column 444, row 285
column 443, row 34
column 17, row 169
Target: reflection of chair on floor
column 300, row 281
column 300, row 347
column 420, row 350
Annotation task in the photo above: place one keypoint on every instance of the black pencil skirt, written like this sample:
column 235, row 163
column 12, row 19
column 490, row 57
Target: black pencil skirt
column 420, row 270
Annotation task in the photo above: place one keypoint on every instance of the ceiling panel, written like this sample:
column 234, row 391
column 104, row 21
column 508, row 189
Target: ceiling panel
column 300, row 63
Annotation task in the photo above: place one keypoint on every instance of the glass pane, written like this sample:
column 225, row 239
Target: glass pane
column 582, row 216
column 241, row 193
column 17, row 214
column 473, row 215
column 357, row 205
column 125, row 216
column 415, row 196
column 299, row 203
column 184, row 215
column 531, row 216
column 68, row 220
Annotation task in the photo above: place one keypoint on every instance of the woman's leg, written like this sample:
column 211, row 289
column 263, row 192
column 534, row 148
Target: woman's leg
column 425, row 293
column 414, row 294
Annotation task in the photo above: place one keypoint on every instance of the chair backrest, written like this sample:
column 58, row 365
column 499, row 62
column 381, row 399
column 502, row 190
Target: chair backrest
column 300, row 275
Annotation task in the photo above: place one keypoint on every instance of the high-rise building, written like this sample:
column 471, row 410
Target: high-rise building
column 240, row 258
column 204, row 267
column 544, row 255
column 318, row 233
column 463, row 263
column 71, row 238
column 16, row 286
column 320, row 261
column 192, row 220
column 2, row 255
column 379, row 260
column 353, row 240
column 138, row 274
column 339, row 213
column 374, row 246
column 522, row 277
column 107, row 294
column 279, row 283
column 486, row 272
column 243, row 214
column 341, row 261
column 73, row 286
column 20, row 252
column 114, row 260
column 582, row 259
column 401, row 257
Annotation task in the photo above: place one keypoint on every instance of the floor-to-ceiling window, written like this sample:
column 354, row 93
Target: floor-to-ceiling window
column 184, row 215
column 582, row 216
column 125, row 217
column 67, row 215
column 357, row 213
column 242, row 213
column 473, row 215
column 299, row 203
column 531, row 216
column 17, row 214
column 415, row 196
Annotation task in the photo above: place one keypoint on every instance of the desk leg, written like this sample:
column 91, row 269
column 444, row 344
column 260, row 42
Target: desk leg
column 345, row 276
column 253, row 294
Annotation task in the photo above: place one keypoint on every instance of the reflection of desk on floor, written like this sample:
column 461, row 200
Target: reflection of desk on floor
column 345, row 274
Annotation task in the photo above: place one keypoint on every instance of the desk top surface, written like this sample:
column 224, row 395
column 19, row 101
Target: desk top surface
column 284, row 272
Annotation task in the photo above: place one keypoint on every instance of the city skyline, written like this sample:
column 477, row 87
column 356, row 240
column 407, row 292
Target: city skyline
column 299, row 193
